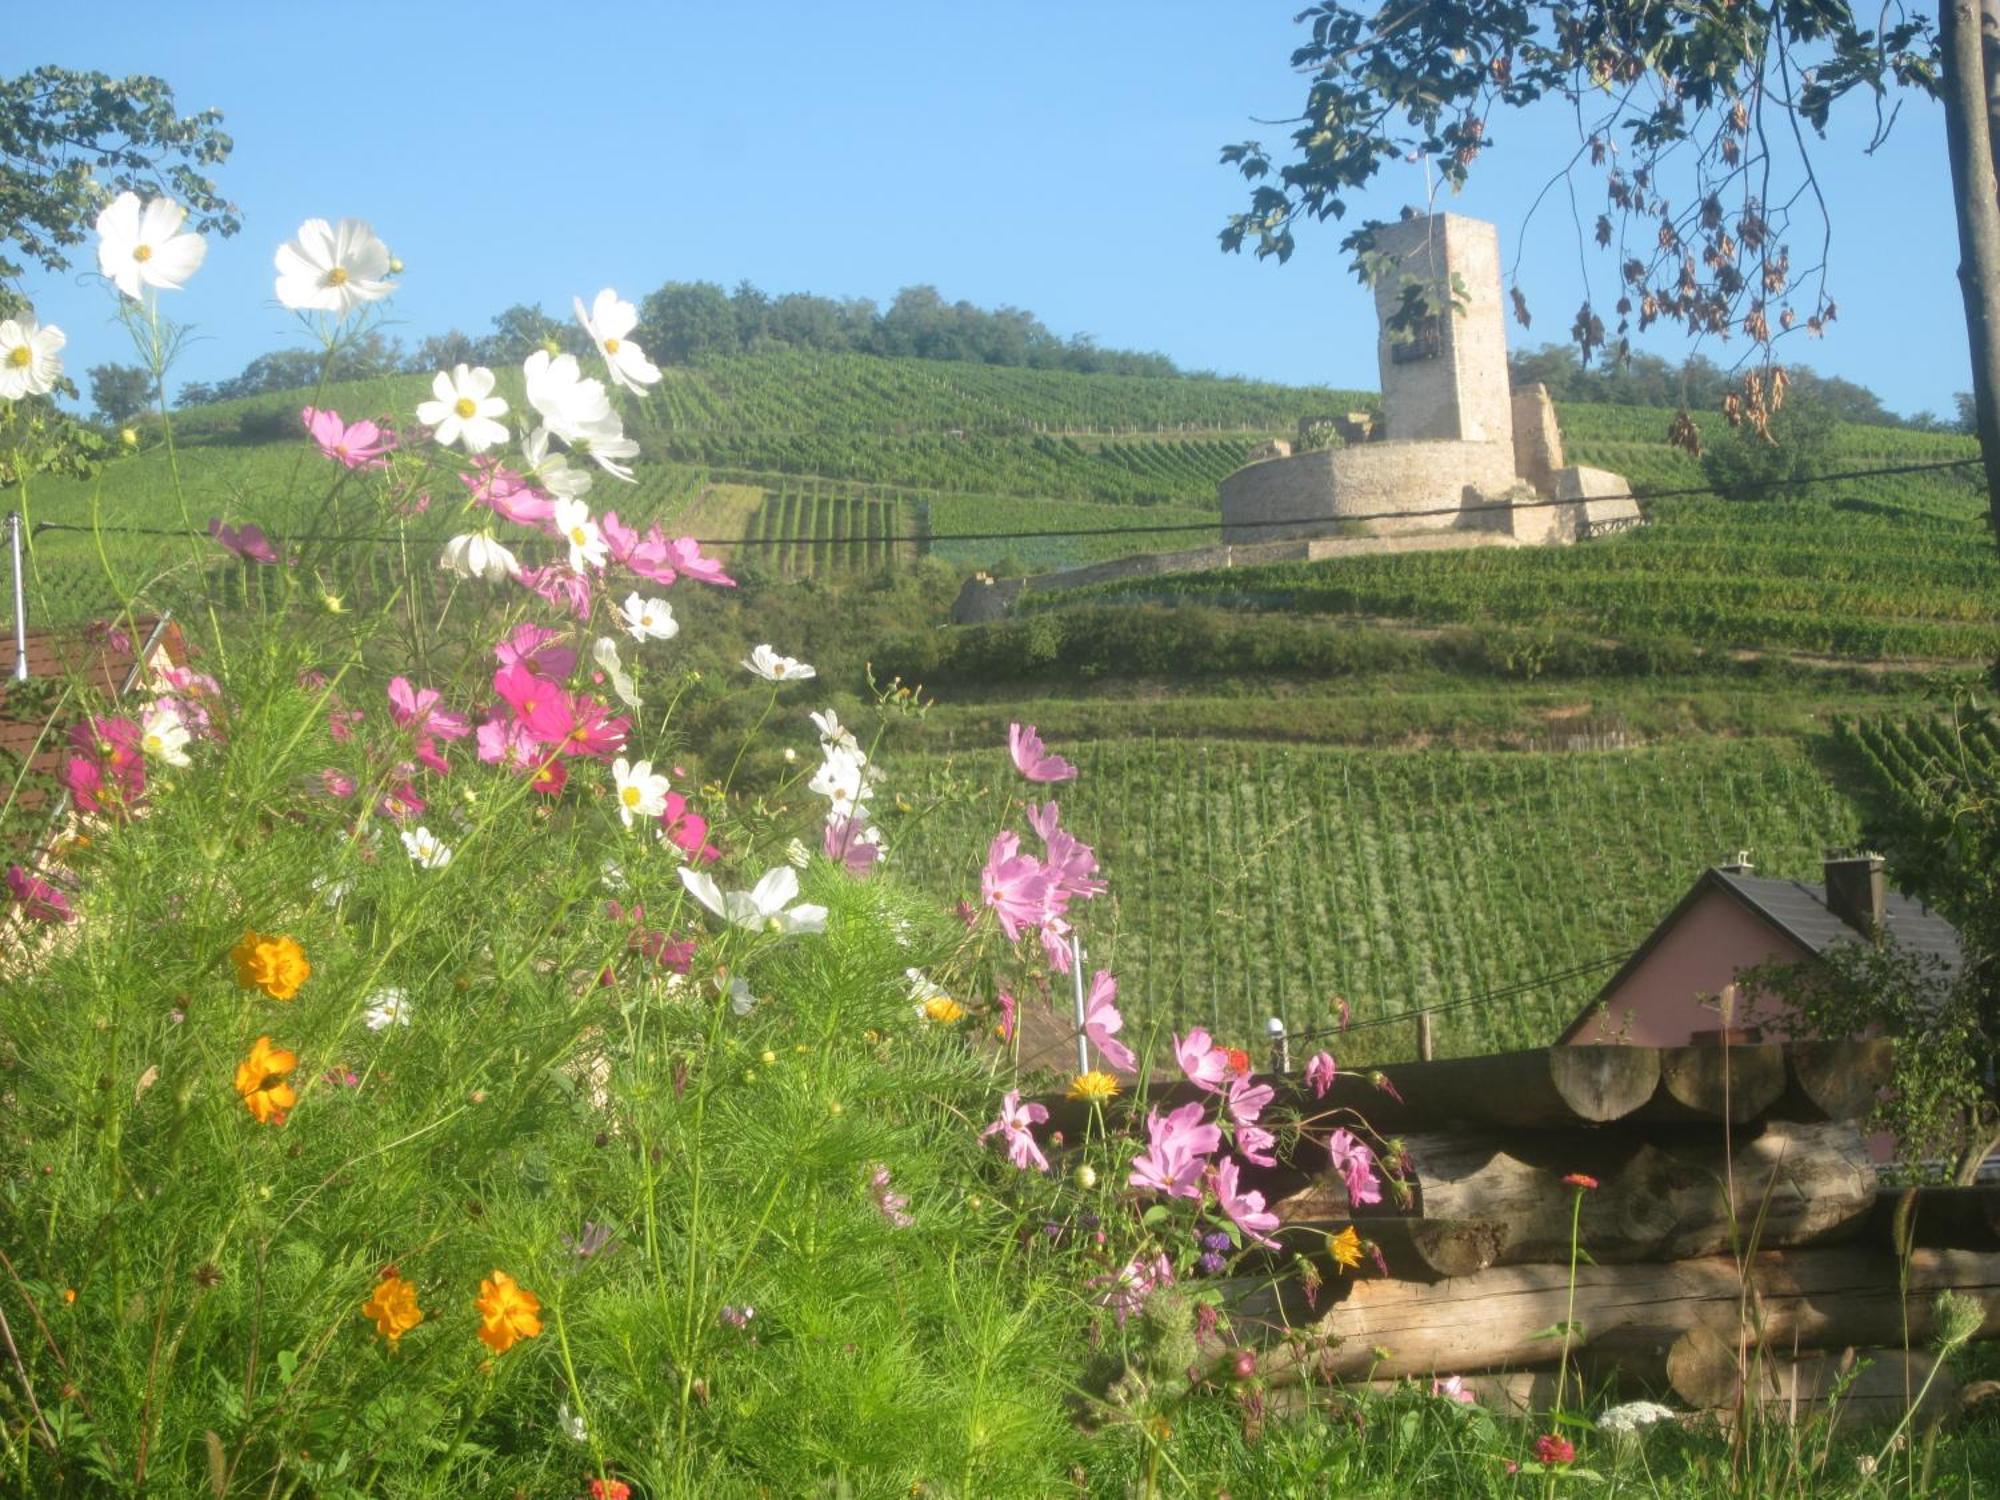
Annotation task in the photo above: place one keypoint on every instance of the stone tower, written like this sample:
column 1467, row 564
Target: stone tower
column 1449, row 382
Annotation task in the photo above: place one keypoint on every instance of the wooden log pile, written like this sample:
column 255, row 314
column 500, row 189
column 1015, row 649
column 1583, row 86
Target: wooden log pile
column 1735, row 1244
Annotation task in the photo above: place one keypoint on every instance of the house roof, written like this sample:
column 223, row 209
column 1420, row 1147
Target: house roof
column 1800, row 912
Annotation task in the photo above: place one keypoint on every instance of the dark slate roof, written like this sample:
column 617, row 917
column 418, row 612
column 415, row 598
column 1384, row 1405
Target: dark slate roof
column 1801, row 911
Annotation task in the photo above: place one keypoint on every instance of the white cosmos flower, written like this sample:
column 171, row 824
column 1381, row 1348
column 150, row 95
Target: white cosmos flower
column 162, row 734
column 332, row 267
column 427, row 849
column 466, row 410
column 569, row 403
column 605, row 444
column 587, row 548
column 772, row 667
column 762, row 908
column 552, row 471
column 386, row 1008
column 605, row 654
column 840, row 779
column 28, row 362
column 642, row 793
column 648, row 619
column 833, row 732
column 610, row 322
column 797, row 855
column 475, row 554
column 741, row 1001
column 141, row 245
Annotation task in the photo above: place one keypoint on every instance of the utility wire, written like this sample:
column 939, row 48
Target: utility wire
column 1504, row 992
column 1686, row 492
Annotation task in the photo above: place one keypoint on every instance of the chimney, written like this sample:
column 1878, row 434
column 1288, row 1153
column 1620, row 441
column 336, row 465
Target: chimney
column 1738, row 866
column 1854, row 891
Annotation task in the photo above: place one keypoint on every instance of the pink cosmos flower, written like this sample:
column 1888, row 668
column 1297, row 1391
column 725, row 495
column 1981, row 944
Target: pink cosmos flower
column 247, row 542
column 40, row 901
column 542, row 708
column 686, row 829
column 508, row 494
column 1125, row 1290
column 597, row 732
column 416, row 709
column 1247, row 1100
column 1356, row 1163
column 336, row 782
column 651, row 942
column 1101, row 1022
column 1452, row 1388
column 684, row 553
column 1257, row 1144
column 1015, row 1118
column 1206, row 1065
column 360, row 445
column 1045, row 819
column 560, row 586
column 541, row 651
column 1320, row 1073
column 1031, row 760
column 893, row 1205
column 340, row 722
column 84, row 782
column 1014, row 885
column 549, row 778
column 1009, row 1008
column 845, row 845
column 404, row 801
column 1246, row 1209
column 1055, row 939
column 107, row 770
column 1177, row 1152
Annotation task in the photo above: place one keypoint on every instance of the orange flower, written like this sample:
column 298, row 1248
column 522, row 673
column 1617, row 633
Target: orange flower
column 393, row 1307
column 944, row 1010
column 507, row 1311
column 1345, row 1248
column 1096, row 1084
column 260, row 1079
column 275, row 965
column 1582, row 1180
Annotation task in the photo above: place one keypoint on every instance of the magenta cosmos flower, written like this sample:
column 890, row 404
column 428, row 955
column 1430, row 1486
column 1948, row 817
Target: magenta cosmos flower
column 1320, row 1073
column 508, row 494
column 1032, row 760
column 1101, row 1022
column 1015, row 1118
column 539, row 650
column 1177, row 1152
column 1356, row 1164
column 358, row 445
column 40, row 901
column 247, row 541
column 1014, row 884
column 1245, row 1209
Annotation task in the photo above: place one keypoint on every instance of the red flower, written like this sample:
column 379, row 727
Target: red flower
column 610, row 1489
column 1239, row 1061
column 1581, row 1180
column 1551, row 1449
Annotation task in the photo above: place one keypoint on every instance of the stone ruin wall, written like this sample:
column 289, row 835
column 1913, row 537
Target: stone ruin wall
column 1315, row 488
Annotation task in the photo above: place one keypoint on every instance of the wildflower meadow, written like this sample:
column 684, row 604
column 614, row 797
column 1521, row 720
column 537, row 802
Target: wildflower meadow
column 429, row 1069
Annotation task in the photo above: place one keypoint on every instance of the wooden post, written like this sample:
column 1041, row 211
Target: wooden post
column 1425, row 1050
column 1969, row 143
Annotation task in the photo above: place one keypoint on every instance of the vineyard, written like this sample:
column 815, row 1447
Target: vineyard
column 1248, row 880
column 1903, row 757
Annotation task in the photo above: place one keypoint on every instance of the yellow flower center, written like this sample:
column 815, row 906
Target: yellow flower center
column 19, row 356
column 578, row 535
column 466, row 407
column 153, row 742
column 336, row 277
column 778, row 669
column 142, row 252
column 631, row 796
column 611, row 346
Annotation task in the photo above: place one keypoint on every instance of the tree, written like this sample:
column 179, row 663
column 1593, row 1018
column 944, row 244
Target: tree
column 1745, row 465
column 522, row 329
column 1693, row 118
column 684, row 320
column 120, row 392
column 69, row 141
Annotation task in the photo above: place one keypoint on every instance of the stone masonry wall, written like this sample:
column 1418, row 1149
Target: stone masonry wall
column 1306, row 495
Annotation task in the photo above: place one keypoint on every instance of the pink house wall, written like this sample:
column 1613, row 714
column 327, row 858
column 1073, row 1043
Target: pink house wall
column 1658, row 1003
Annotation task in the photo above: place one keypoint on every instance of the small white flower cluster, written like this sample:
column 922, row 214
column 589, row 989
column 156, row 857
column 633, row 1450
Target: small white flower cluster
column 1633, row 1416
column 847, row 779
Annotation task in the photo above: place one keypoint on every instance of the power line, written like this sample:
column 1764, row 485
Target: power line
column 1503, row 992
column 1053, row 533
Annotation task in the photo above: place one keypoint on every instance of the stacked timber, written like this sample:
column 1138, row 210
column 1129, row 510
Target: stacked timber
column 1705, row 1225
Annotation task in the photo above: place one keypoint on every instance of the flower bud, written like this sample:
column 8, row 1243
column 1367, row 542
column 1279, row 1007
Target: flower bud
column 1085, row 1176
column 1244, row 1364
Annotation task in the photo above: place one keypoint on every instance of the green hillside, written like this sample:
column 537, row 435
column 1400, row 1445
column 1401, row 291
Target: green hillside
column 1405, row 780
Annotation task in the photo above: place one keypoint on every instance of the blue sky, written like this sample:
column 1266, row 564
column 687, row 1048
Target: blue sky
column 1061, row 158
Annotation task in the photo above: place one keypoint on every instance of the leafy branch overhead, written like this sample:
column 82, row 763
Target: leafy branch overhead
column 71, row 141
column 1693, row 120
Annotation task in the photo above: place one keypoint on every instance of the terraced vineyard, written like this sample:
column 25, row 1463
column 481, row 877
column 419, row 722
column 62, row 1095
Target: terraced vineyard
column 1247, row 881
column 1903, row 757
